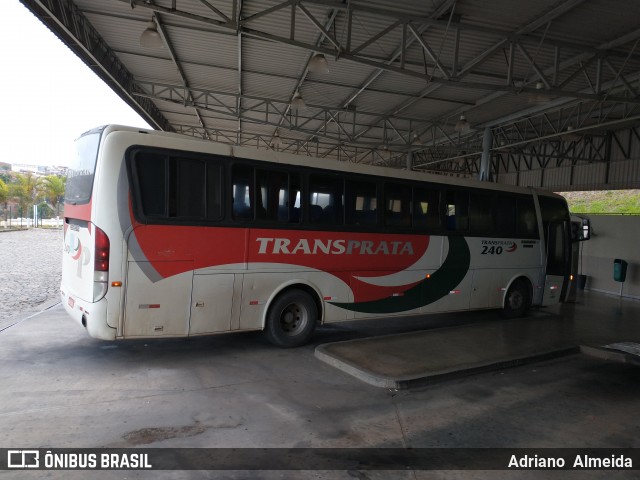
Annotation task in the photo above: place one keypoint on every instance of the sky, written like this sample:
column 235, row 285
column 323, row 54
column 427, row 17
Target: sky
column 49, row 96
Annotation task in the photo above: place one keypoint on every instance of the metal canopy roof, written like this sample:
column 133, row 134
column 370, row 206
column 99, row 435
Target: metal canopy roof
column 549, row 84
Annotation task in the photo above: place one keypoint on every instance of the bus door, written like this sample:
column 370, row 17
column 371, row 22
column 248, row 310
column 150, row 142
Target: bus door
column 558, row 264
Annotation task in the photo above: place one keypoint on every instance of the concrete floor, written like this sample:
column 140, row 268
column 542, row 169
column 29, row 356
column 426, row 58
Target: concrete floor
column 62, row 389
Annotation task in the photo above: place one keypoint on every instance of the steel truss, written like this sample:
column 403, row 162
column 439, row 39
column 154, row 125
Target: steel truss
column 568, row 84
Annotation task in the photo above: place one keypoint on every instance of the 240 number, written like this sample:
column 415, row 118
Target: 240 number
column 487, row 250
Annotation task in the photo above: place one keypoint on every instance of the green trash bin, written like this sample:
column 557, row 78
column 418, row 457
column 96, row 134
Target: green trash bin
column 619, row 270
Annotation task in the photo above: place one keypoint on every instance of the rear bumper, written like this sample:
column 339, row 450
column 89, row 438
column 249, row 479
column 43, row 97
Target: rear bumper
column 92, row 316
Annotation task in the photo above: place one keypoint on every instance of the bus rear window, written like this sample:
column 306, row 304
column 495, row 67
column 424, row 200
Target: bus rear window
column 82, row 168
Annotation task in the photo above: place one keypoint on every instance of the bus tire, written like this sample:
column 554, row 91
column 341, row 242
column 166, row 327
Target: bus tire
column 517, row 300
column 291, row 319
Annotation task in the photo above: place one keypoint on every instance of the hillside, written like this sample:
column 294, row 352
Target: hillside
column 603, row 202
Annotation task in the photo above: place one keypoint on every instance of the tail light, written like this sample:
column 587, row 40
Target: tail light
column 101, row 265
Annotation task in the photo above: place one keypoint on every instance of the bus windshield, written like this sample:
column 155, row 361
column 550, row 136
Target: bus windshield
column 80, row 173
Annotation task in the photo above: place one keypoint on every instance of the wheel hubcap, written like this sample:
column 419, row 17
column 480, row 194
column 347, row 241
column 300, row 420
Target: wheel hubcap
column 293, row 319
column 516, row 300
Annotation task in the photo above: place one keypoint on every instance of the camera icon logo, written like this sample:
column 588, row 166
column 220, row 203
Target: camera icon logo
column 23, row 459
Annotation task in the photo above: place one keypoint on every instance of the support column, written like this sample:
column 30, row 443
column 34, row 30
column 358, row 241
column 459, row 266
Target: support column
column 485, row 162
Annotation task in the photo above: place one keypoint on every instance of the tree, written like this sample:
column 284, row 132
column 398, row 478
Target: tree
column 4, row 191
column 26, row 190
column 53, row 189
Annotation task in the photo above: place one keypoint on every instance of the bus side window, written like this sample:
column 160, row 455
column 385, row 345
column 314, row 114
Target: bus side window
column 526, row 221
column 397, row 205
column 457, row 211
column 187, row 188
column 481, row 213
column 273, row 198
column 325, row 199
column 504, row 215
column 295, row 198
column 150, row 169
column 361, row 203
column 268, row 184
column 426, row 208
column 214, row 191
column 242, row 192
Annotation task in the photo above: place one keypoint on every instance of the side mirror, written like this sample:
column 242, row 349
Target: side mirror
column 575, row 231
column 580, row 230
column 586, row 229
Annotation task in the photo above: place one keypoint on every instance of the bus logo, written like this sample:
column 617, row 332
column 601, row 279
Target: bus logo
column 498, row 247
column 306, row 246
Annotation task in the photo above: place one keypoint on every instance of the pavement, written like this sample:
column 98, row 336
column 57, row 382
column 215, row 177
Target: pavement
column 63, row 389
column 30, row 271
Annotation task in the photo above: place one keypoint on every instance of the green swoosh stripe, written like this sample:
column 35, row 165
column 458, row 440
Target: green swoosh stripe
column 440, row 283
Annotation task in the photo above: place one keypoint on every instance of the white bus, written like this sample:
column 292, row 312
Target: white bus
column 166, row 235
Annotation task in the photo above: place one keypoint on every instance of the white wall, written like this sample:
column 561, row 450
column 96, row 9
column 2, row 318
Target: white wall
column 612, row 236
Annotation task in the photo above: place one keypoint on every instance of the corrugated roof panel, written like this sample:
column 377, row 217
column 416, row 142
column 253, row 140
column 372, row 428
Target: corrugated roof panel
column 429, row 110
column 459, row 93
column 382, row 103
column 266, row 86
column 121, row 34
column 270, row 57
column 158, row 70
column 225, row 125
column 325, row 94
column 402, row 85
column 212, row 78
column 345, row 72
column 412, row 7
column 204, row 47
column 502, row 14
column 597, row 21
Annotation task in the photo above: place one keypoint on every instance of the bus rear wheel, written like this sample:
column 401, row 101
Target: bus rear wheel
column 517, row 300
column 291, row 319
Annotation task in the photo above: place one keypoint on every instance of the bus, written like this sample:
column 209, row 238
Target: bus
column 171, row 236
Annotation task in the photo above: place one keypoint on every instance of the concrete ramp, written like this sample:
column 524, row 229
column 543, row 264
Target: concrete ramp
column 621, row 352
column 417, row 358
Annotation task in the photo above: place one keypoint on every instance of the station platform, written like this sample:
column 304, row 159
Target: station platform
column 488, row 342
column 416, row 358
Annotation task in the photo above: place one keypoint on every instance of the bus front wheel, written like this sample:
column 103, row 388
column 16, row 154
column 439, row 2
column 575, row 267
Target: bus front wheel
column 291, row 319
column 517, row 300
